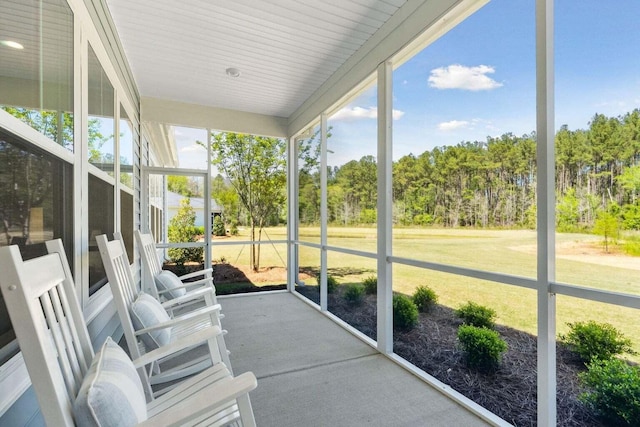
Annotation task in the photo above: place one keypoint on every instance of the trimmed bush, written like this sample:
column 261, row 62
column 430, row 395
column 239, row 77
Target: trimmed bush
column 332, row 283
column 354, row 293
column 482, row 347
column 477, row 315
column 218, row 227
column 424, row 298
column 596, row 340
column 405, row 312
column 182, row 229
column 370, row 284
column 614, row 391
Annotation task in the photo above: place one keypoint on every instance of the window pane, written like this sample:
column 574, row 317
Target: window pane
column 126, row 149
column 348, row 298
column 308, row 273
column 126, row 221
column 101, row 221
column 309, row 186
column 508, row 389
column 232, row 270
column 36, row 66
column 589, row 318
column 190, row 147
column 35, row 206
column 597, row 145
column 464, row 145
column 352, row 189
column 254, row 169
column 101, row 116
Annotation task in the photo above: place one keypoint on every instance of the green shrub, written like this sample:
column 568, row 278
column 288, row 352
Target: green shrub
column 614, row 390
column 233, row 229
column 631, row 245
column 218, row 226
column 370, row 284
column 424, row 298
column 405, row 312
column 332, row 283
column 182, row 229
column 596, row 340
column 482, row 347
column 477, row 315
column 354, row 293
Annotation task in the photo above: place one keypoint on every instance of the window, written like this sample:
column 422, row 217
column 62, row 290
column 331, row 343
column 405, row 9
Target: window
column 101, row 221
column 36, row 66
column 126, row 141
column 35, row 206
column 101, row 116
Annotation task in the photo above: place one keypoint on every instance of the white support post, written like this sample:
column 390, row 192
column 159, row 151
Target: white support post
column 546, row 214
column 385, row 208
column 80, row 170
column 209, row 247
column 323, row 212
column 208, row 229
column 292, row 214
column 117, row 200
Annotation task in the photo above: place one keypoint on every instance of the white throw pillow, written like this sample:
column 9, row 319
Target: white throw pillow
column 146, row 311
column 167, row 281
column 111, row 393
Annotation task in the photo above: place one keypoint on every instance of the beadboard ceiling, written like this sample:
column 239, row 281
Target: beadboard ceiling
column 285, row 49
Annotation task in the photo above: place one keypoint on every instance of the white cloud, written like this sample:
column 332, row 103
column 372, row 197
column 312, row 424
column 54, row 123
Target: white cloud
column 356, row 113
column 396, row 114
column 453, row 125
column 460, row 77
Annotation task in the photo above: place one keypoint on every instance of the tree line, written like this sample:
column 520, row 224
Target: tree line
column 489, row 183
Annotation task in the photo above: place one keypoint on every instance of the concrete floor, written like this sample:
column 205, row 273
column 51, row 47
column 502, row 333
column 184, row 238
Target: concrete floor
column 312, row 372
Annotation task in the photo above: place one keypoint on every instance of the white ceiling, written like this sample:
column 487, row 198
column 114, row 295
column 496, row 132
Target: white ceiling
column 284, row 49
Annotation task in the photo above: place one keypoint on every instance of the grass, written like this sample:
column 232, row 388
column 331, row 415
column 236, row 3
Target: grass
column 504, row 251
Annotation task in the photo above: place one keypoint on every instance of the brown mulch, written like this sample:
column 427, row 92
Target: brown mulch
column 509, row 391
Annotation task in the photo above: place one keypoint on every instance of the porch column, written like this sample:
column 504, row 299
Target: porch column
column 323, row 212
column 385, row 205
column 546, row 213
column 292, row 213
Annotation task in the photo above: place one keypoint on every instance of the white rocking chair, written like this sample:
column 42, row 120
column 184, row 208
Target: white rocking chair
column 152, row 273
column 147, row 325
column 73, row 386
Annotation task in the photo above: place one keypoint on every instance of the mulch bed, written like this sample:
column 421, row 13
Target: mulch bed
column 509, row 392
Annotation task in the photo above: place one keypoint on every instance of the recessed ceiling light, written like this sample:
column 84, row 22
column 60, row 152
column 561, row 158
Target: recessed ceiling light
column 233, row 72
column 11, row 44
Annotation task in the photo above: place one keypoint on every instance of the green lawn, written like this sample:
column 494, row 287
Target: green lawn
column 504, row 251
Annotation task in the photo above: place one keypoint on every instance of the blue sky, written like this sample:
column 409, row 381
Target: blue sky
column 478, row 80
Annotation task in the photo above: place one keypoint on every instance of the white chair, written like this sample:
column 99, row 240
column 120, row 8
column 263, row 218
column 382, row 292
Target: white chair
column 147, row 325
column 158, row 281
column 74, row 387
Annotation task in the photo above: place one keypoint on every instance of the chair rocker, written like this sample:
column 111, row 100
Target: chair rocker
column 147, row 325
column 74, row 386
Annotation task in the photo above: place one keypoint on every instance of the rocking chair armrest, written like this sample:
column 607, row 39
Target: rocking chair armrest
column 215, row 396
column 185, row 342
column 189, row 296
column 186, row 285
column 185, row 318
column 204, row 272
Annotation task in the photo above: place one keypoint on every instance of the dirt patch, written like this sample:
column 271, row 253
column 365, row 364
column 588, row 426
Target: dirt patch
column 590, row 252
column 509, row 392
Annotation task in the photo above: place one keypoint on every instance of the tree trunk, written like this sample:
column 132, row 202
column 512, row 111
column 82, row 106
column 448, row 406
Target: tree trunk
column 252, row 253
